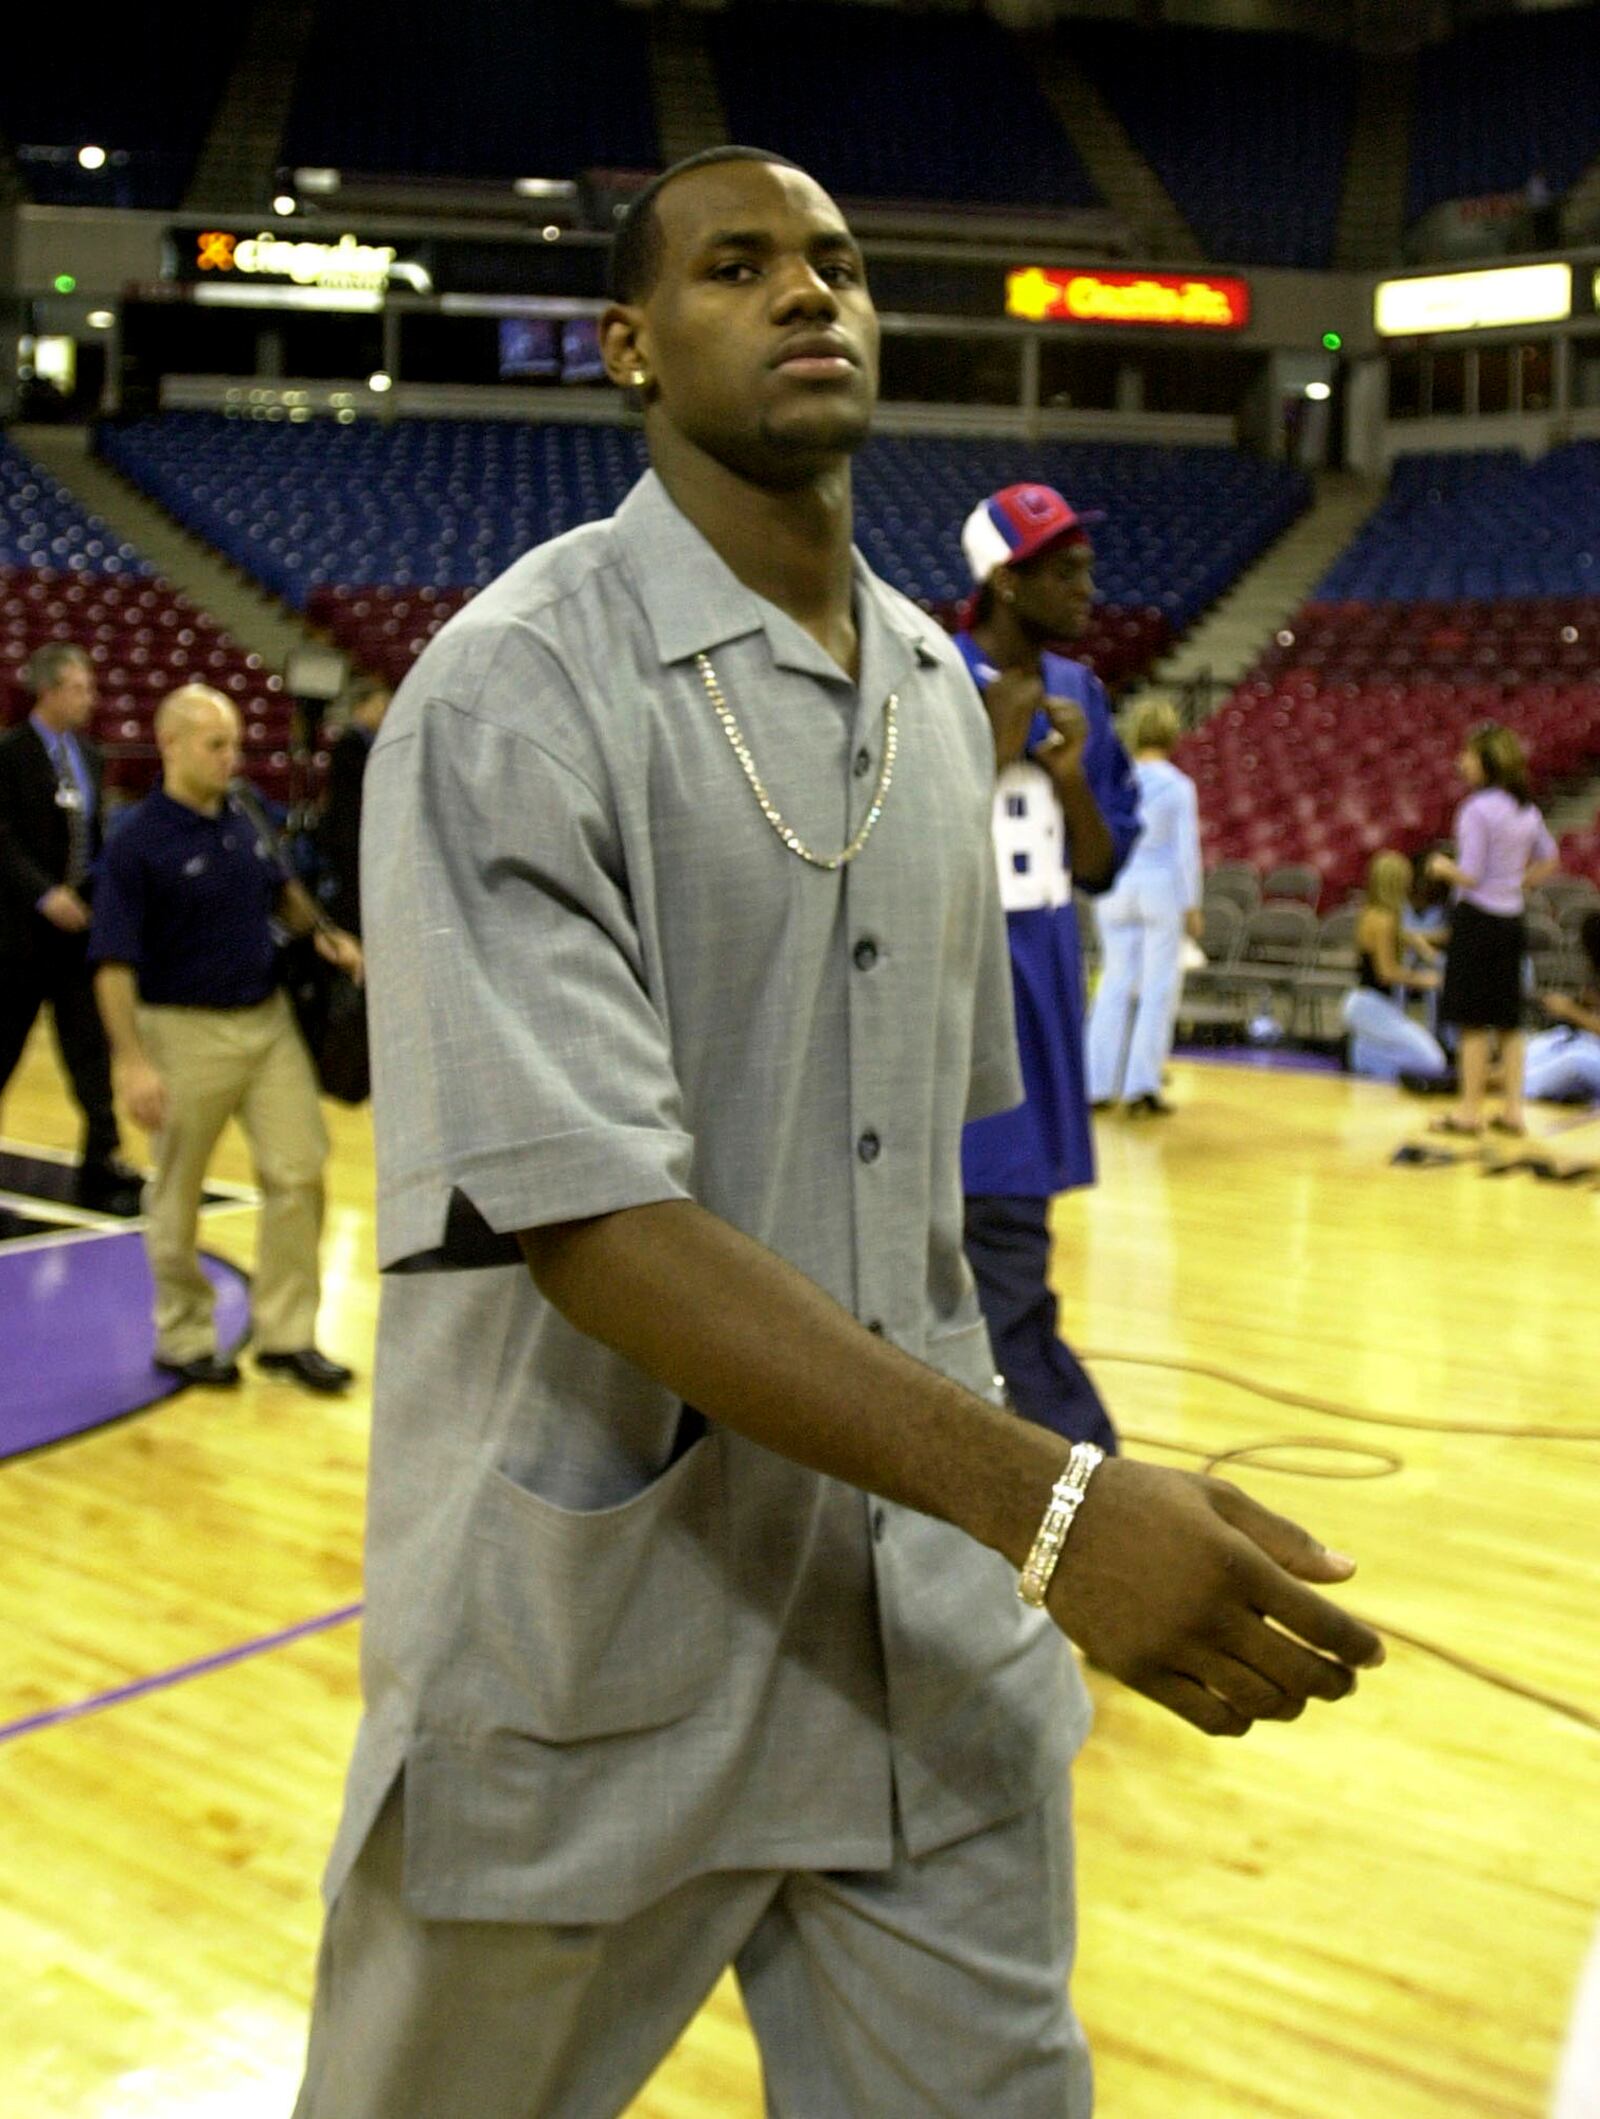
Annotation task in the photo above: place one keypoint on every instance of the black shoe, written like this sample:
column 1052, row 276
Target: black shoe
column 308, row 1367
column 1430, row 1084
column 206, row 1370
column 110, row 1188
column 1150, row 1107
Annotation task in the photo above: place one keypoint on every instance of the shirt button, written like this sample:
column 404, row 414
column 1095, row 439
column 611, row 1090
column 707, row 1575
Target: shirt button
column 869, row 1147
column 865, row 953
column 880, row 1523
column 863, row 764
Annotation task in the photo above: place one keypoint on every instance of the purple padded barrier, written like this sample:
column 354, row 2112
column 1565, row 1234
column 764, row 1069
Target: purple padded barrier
column 76, row 1335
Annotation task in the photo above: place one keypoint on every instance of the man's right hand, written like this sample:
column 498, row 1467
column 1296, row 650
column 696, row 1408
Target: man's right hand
column 1011, row 701
column 63, row 908
column 1193, row 1594
column 142, row 1091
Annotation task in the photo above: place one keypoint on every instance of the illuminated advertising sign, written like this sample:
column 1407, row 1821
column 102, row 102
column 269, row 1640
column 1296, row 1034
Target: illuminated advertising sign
column 1181, row 301
column 347, row 265
column 1473, row 301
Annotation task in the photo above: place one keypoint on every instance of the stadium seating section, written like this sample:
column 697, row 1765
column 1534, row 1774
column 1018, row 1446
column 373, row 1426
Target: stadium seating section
column 142, row 84
column 1484, row 523
column 545, row 91
column 1502, row 101
column 1472, row 593
column 940, row 107
column 41, row 525
column 380, row 531
column 1343, row 738
column 1248, row 132
column 62, row 577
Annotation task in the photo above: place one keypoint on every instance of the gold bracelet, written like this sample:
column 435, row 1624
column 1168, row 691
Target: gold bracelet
column 1066, row 1498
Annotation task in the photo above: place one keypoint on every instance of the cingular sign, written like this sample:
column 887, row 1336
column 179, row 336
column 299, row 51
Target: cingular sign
column 346, row 263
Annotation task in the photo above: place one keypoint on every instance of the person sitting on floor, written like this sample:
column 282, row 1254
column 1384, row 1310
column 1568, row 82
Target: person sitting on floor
column 1563, row 1064
column 1386, row 1042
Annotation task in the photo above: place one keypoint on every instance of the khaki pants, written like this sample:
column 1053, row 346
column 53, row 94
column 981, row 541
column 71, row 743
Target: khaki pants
column 249, row 1064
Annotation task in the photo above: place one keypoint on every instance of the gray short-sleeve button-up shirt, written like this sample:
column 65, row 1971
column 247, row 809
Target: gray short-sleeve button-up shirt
column 611, row 1647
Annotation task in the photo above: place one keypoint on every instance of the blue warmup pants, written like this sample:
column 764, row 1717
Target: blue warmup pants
column 1008, row 1248
column 1384, row 1041
column 1562, row 1067
column 1141, row 977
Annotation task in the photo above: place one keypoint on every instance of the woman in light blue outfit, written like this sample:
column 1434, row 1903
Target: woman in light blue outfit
column 1143, row 920
column 1386, row 1042
column 1563, row 1065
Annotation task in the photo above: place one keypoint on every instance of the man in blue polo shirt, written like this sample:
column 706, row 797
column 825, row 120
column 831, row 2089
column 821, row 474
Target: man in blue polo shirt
column 200, row 1033
column 1066, row 812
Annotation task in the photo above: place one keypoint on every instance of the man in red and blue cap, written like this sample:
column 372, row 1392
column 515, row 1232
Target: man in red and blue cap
column 1066, row 813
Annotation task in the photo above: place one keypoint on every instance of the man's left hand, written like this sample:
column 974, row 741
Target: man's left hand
column 343, row 951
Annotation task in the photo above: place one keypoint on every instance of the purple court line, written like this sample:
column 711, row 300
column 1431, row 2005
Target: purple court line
column 1278, row 1059
column 178, row 1675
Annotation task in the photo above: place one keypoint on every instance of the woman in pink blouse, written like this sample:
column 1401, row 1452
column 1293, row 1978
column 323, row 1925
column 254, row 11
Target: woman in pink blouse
column 1502, row 849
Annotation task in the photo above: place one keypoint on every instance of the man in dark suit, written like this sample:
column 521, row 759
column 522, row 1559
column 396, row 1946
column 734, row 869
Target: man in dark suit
column 339, row 834
column 50, row 836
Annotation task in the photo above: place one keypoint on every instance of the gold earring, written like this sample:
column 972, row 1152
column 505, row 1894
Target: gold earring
column 638, row 378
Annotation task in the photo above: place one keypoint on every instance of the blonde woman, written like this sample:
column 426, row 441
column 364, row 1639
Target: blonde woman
column 1143, row 919
column 1503, row 848
column 1384, row 1041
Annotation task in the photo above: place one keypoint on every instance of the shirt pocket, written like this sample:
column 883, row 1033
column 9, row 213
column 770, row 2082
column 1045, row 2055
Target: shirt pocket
column 964, row 1355
column 598, row 1622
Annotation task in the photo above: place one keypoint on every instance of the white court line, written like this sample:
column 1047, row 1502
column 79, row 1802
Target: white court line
column 232, row 1199
column 51, row 1239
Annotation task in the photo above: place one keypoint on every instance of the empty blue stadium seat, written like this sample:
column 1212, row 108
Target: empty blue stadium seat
column 1249, row 132
column 450, row 503
column 1483, row 524
column 1505, row 100
column 41, row 525
column 877, row 103
column 545, row 91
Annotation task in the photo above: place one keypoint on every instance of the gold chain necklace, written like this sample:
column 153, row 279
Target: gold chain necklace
column 769, row 809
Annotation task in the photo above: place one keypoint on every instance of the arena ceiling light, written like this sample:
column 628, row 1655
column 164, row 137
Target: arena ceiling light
column 357, row 301
column 1319, row 393
column 1473, row 301
column 91, row 158
column 285, row 203
column 100, row 319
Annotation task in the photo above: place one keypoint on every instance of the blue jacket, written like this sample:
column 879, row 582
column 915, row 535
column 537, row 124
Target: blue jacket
column 1045, row 1145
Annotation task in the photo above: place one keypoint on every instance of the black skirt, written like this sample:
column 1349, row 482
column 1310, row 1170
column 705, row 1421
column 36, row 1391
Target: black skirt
column 1483, row 970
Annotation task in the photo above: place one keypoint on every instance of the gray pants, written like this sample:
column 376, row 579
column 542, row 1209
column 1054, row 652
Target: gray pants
column 935, row 1991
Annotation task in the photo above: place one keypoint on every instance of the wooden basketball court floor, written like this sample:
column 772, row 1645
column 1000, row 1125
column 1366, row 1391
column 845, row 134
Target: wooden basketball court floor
column 1378, row 1913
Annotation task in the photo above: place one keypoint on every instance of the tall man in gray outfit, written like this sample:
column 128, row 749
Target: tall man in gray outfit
column 693, row 1634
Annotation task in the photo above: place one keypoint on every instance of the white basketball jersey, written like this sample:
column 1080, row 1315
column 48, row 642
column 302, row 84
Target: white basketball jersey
column 1029, row 843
